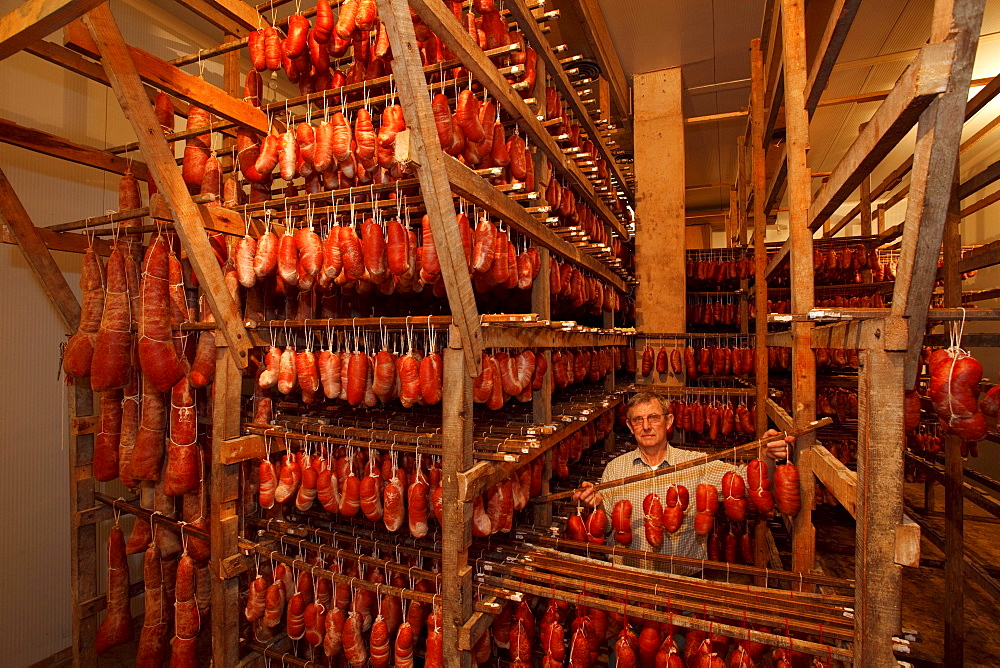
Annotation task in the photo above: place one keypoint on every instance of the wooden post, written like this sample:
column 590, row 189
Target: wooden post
column 939, row 134
column 878, row 579
column 801, row 261
column 660, row 237
column 954, row 552
column 434, row 182
column 83, row 536
column 456, row 443
column 759, row 229
column 954, row 503
column 224, row 518
column 743, row 221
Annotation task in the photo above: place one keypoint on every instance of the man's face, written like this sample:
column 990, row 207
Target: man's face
column 649, row 423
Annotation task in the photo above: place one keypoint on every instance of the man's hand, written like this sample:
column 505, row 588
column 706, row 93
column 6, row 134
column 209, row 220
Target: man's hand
column 778, row 449
column 588, row 496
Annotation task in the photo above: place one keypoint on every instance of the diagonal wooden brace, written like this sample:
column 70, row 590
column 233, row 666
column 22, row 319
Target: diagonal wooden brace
column 128, row 88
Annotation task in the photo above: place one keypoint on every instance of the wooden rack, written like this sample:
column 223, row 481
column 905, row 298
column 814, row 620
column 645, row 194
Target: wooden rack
column 889, row 339
column 96, row 50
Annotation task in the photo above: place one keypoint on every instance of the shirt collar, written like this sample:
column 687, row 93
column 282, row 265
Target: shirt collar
column 668, row 456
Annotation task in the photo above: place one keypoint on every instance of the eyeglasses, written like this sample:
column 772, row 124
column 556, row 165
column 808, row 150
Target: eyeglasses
column 653, row 419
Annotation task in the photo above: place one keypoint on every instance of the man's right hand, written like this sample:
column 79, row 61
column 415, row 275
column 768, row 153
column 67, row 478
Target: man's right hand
column 588, row 496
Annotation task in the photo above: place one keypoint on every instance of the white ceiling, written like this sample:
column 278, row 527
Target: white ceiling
column 710, row 40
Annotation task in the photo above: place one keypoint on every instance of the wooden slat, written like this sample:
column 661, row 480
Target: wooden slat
column 839, row 24
column 776, row 184
column 988, row 503
column 939, row 134
column 36, row 254
column 434, row 177
column 34, row 19
column 470, row 185
column 238, row 12
column 982, row 97
column 162, row 74
column 124, row 79
column 57, row 147
column 779, row 415
column 443, row 23
column 922, row 80
column 62, row 241
column 990, row 174
column 532, row 32
column 979, row 258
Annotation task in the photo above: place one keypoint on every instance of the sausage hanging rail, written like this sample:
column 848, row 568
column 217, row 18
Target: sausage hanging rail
column 724, row 454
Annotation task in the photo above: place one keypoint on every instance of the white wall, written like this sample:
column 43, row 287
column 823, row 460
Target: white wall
column 34, row 478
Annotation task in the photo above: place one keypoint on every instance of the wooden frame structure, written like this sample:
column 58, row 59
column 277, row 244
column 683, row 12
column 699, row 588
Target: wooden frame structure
column 931, row 93
column 132, row 72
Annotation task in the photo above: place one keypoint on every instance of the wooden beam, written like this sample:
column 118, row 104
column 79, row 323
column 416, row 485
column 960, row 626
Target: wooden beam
column 939, row 134
column 878, row 579
column 778, row 415
column 161, row 74
column 988, row 503
column 920, row 83
column 456, row 442
column 434, row 179
column 36, row 254
column 62, row 241
column 473, row 187
column 978, row 181
column 660, row 237
column 839, row 24
column 57, row 147
column 121, row 70
column 239, row 12
column 34, row 19
column 443, row 23
column 224, row 520
column 837, row 478
column 57, row 54
column 757, row 169
column 977, row 570
column 801, row 268
column 983, row 97
column 533, row 34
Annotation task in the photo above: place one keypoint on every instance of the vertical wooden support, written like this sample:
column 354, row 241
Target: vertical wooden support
column 456, row 442
column 541, row 401
column 939, row 134
column 954, row 503
column 224, row 488
column 759, row 229
column 742, row 222
column 866, row 206
column 434, row 184
column 83, row 537
column 801, row 261
column 660, row 237
column 878, row 579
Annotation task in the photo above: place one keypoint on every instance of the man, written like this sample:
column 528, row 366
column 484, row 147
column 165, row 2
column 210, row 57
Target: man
column 649, row 421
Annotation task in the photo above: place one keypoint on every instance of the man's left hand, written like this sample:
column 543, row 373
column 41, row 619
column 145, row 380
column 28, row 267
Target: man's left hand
column 778, row 449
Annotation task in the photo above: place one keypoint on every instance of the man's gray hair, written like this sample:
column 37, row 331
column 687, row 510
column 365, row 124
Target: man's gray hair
column 646, row 397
